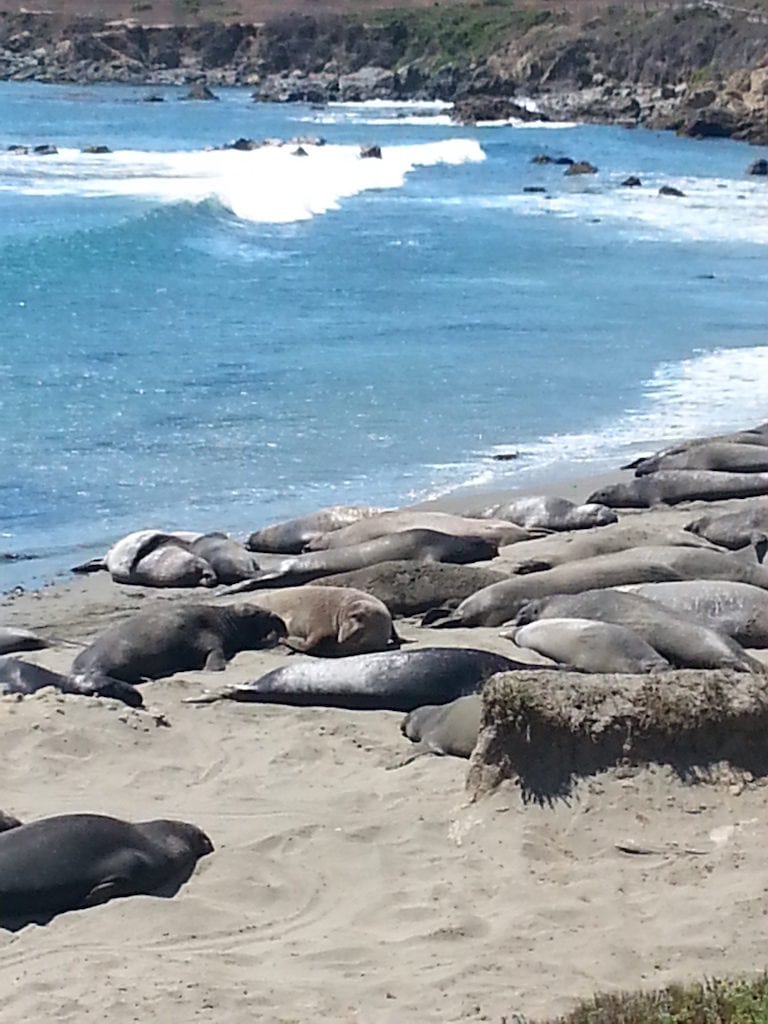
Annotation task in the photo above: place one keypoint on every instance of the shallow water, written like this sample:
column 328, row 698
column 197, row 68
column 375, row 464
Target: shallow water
column 217, row 339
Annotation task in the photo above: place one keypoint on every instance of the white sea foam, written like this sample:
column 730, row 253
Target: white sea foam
column 712, row 209
column 709, row 393
column 516, row 122
column 267, row 185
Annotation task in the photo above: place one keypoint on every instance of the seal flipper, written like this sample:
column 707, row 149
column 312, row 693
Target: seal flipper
column 95, row 565
column 215, row 662
column 7, row 821
column 420, row 750
column 105, row 891
column 434, row 615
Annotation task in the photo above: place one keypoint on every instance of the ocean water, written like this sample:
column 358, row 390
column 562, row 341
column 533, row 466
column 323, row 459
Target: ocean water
column 206, row 339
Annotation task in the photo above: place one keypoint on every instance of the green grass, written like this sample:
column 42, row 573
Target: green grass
column 739, row 1001
column 457, row 33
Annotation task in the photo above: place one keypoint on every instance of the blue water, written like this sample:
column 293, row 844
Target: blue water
column 215, row 340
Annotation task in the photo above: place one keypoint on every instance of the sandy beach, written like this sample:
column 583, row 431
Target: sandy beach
column 342, row 890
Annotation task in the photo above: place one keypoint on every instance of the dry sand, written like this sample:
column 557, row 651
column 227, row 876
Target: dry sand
column 344, row 891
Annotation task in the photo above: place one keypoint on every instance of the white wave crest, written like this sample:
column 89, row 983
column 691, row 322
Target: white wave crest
column 711, row 209
column 709, row 393
column 266, row 185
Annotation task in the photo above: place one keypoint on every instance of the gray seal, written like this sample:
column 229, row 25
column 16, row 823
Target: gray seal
column 734, row 530
column 17, row 676
column 74, row 861
column 331, row 622
column 728, row 458
column 153, row 558
column 736, row 609
column 589, row 646
column 230, row 561
column 13, row 640
column 165, row 638
column 755, row 436
column 681, row 639
column 546, row 512
column 408, row 588
column 635, row 532
column 498, row 603
column 442, row 729
column 291, row 537
column 671, row 486
column 415, row 545
column 389, row 681
column 399, row 520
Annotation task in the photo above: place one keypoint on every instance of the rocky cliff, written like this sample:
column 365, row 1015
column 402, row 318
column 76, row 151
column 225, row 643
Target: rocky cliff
column 700, row 69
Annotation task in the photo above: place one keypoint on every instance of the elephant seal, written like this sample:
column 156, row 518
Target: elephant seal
column 728, row 458
column 8, row 821
column 734, row 530
column 443, row 728
column 13, row 640
column 18, row 676
column 589, row 646
column 164, row 639
column 230, row 561
column 415, row 519
column 408, row 588
column 125, row 554
column 671, row 486
column 736, row 609
column 388, row 681
column 290, row 537
column 546, row 512
column 681, row 639
column 547, row 552
column 756, row 436
column 414, row 545
column 331, row 622
column 498, row 603
column 73, row 861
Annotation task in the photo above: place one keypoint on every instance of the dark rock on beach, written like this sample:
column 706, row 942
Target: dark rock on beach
column 631, row 182
column 670, row 190
column 370, row 152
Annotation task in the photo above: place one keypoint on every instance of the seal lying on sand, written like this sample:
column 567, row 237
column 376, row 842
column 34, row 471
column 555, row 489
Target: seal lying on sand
column 390, row 681
column 164, row 639
column 549, row 513
column 416, row 545
column 331, row 622
column 74, row 861
column 681, row 639
column 13, row 640
column 498, row 603
column 18, row 676
column 756, row 436
column 547, row 552
column 290, row 537
column 229, row 560
column 734, row 530
column 736, row 609
column 671, row 486
column 124, row 558
column 589, row 646
column 729, row 458
column 415, row 519
column 443, row 728
column 407, row 588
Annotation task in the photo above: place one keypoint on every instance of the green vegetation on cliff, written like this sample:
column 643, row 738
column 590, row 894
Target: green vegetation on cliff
column 457, row 33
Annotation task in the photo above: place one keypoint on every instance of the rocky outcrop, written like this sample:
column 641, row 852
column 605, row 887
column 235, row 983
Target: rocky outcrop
column 700, row 70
